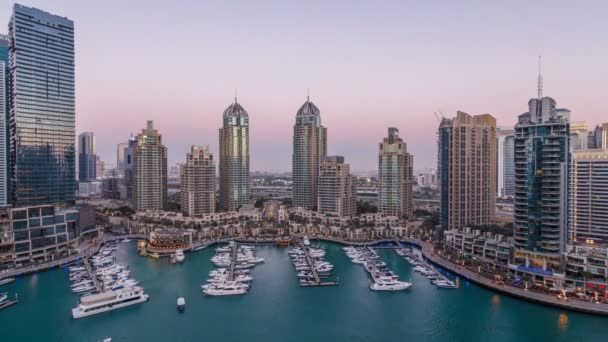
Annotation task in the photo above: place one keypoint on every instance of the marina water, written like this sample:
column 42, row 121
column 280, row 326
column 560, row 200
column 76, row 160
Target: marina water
column 277, row 309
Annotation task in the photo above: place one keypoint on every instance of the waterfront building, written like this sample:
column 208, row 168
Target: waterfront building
column 198, row 182
column 589, row 197
column 150, row 170
column 309, row 149
column 337, row 188
column 42, row 112
column 579, row 133
column 87, row 158
column 235, row 183
column 395, row 176
column 120, row 159
column 505, row 162
column 542, row 148
column 275, row 211
column 491, row 249
column 467, row 170
column 4, row 131
column 168, row 240
column 30, row 235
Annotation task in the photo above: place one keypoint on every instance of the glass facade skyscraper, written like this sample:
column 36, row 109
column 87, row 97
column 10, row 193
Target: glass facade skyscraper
column 235, row 184
column 87, row 159
column 4, row 110
column 505, row 170
column 42, row 114
column 309, row 149
column 542, row 151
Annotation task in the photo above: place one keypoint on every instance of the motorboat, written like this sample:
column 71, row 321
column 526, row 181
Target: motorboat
column 390, row 286
column 3, row 297
column 445, row 284
column 306, row 241
column 179, row 255
column 181, row 304
column 225, row 289
column 109, row 300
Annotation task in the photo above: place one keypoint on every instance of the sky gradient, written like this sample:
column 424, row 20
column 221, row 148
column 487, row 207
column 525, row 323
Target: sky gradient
column 369, row 65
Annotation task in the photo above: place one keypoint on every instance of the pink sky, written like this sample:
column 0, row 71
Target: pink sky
column 368, row 65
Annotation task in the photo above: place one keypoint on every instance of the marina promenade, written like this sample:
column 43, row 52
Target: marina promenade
column 474, row 277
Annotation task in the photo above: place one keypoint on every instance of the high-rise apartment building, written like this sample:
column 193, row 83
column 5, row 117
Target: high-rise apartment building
column 120, row 159
column 42, row 112
column 198, row 182
column 4, row 110
column 235, row 184
column 126, row 187
column 467, row 170
column 309, row 150
column 87, row 158
column 395, row 176
column 505, row 164
column 598, row 138
column 542, row 148
column 589, row 198
column 337, row 188
column 579, row 133
column 150, row 170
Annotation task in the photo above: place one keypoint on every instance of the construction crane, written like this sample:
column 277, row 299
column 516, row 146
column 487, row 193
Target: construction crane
column 437, row 116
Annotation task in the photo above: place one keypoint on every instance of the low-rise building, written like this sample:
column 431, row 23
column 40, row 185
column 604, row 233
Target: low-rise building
column 494, row 249
column 168, row 240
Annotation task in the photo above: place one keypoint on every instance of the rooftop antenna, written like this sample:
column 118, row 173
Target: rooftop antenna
column 235, row 94
column 540, row 80
column 307, row 94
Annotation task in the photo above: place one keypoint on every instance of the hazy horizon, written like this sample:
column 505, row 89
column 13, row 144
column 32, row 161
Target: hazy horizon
column 368, row 67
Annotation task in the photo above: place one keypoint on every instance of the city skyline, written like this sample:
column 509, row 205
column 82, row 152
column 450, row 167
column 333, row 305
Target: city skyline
column 491, row 69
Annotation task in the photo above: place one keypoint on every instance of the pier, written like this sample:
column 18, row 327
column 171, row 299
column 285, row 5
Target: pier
column 87, row 265
column 233, row 260
column 317, row 278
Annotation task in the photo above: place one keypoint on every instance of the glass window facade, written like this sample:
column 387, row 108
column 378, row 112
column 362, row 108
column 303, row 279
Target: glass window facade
column 42, row 125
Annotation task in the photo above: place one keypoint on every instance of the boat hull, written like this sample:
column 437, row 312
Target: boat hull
column 76, row 313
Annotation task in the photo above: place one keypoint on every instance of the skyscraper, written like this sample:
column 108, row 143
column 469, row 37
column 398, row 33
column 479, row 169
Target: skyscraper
column 589, row 198
column 542, row 137
column 579, row 132
column 235, row 184
column 150, row 170
column 505, row 169
column 4, row 110
column 467, row 170
column 87, row 158
column 126, row 188
column 42, row 113
column 121, row 149
column 599, row 137
column 337, row 188
column 198, row 182
column 309, row 149
column 395, row 176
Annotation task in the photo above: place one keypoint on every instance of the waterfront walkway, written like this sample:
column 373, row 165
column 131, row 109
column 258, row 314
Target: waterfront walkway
column 474, row 277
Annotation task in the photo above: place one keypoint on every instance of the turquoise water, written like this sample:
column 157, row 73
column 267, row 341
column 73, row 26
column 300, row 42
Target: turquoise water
column 277, row 309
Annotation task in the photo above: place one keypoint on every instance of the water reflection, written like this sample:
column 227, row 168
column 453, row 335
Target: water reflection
column 562, row 321
column 495, row 301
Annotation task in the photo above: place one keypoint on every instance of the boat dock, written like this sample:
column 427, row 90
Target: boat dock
column 317, row 279
column 87, row 265
column 233, row 260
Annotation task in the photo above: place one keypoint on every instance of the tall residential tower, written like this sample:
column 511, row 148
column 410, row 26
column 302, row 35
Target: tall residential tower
column 542, row 156
column 42, row 113
column 235, row 184
column 467, row 170
column 309, row 149
column 150, row 170
column 395, row 176
column 197, row 183
column 337, row 188
column 505, row 168
column 87, row 158
column 4, row 132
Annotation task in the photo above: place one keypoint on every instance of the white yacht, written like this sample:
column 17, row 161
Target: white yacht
column 110, row 300
column 390, row 286
column 179, row 255
column 306, row 241
column 226, row 289
column 445, row 284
